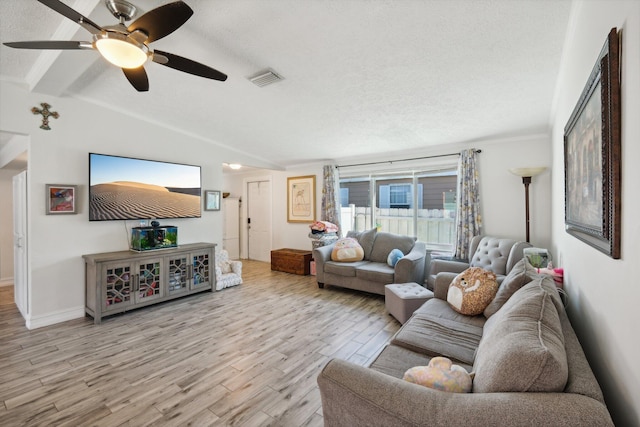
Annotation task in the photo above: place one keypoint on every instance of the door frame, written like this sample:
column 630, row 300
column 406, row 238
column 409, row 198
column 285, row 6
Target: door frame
column 244, row 234
column 22, row 279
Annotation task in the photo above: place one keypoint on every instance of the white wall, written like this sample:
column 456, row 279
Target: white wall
column 603, row 292
column 502, row 197
column 60, row 156
column 284, row 234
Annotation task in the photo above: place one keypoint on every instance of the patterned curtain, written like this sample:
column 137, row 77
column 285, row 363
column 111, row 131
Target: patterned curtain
column 468, row 218
column 330, row 195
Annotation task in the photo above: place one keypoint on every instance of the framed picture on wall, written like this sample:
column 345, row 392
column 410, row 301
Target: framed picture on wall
column 211, row 200
column 61, row 199
column 592, row 156
column 301, row 198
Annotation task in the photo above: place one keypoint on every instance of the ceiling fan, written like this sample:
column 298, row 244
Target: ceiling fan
column 128, row 46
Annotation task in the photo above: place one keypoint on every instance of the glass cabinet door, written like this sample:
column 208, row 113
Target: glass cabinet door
column 118, row 286
column 201, row 269
column 149, row 286
column 177, row 273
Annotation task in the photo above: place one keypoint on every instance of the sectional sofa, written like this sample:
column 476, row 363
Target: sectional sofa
column 529, row 367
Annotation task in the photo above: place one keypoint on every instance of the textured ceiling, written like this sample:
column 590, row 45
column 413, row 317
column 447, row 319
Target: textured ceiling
column 361, row 77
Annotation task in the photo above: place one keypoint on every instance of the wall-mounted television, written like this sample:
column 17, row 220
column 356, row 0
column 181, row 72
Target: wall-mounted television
column 122, row 188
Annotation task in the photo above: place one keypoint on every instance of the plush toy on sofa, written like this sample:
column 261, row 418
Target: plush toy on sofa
column 472, row 290
column 556, row 273
column 442, row 375
column 347, row 249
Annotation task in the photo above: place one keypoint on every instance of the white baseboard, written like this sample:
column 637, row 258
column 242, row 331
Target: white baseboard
column 8, row 281
column 34, row 322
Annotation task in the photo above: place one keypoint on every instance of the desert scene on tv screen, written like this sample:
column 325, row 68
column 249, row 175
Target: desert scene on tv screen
column 123, row 188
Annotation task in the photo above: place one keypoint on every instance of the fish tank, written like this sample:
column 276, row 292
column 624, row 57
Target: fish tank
column 152, row 238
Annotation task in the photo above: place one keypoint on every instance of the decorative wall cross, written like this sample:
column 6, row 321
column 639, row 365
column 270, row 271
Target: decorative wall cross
column 45, row 114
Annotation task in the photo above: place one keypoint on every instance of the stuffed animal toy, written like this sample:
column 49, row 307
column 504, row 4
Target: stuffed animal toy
column 472, row 290
column 556, row 273
column 346, row 250
column 442, row 375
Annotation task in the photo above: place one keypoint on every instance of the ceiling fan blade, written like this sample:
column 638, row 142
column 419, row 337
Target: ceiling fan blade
column 138, row 78
column 76, row 17
column 162, row 21
column 187, row 65
column 50, row 44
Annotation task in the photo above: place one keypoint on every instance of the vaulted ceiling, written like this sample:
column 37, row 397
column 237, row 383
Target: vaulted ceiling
column 361, row 77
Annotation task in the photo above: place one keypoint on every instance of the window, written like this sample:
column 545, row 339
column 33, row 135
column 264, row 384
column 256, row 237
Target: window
column 398, row 196
column 421, row 204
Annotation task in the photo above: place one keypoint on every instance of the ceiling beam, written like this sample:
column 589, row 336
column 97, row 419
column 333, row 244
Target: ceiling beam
column 55, row 71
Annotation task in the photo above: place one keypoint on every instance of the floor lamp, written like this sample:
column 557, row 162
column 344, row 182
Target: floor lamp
column 526, row 174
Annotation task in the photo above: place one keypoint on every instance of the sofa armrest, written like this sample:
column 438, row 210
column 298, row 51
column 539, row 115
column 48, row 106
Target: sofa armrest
column 236, row 267
column 320, row 256
column 410, row 268
column 353, row 395
column 445, row 265
column 441, row 284
column 516, row 254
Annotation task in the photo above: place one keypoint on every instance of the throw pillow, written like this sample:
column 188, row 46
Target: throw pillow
column 347, row 250
column 442, row 375
column 365, row 238
column 225, row 266
column 472, row 290
column 522, row 346
column 521, row 274
column 394, row 257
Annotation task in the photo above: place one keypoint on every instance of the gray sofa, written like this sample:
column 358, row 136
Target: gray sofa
column 372, row 273
column 529, row 367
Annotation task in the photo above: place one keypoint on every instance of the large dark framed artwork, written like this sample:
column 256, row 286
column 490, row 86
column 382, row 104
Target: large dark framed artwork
column 592, row 156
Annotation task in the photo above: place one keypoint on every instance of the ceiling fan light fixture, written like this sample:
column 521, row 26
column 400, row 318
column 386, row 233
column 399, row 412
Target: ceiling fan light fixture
column 121, row 50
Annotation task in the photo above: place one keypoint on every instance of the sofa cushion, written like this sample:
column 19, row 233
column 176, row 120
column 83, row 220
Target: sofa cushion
column 365, row 238
column 394, row 360
column 522, row 349
column 346, row 269
column 347, row 250
column 521, row 274
column 375, row 272
column 440, row 309
column 472, row 290
column 438, row 334
column 385, row 242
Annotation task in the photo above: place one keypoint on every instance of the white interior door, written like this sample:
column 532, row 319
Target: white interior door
column 20, row 269
column 231, row 233
column 259, row 220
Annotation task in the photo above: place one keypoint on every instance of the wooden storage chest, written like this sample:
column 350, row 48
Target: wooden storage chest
column 296, row 261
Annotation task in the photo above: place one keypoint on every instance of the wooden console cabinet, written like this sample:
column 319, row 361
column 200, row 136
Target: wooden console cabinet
column 294, row 261
column 120, row 281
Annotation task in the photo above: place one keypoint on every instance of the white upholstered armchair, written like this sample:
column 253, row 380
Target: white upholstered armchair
column 228, row 273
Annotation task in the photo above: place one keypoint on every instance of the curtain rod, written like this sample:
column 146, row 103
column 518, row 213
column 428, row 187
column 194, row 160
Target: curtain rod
column 402, row 160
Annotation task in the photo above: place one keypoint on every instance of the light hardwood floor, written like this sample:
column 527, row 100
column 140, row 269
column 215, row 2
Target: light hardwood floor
column 247, row 355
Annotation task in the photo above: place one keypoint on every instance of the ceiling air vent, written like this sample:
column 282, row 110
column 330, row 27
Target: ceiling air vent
column 266, row 77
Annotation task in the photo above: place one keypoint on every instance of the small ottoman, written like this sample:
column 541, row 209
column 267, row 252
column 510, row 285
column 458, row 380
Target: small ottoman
column 402, row 299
